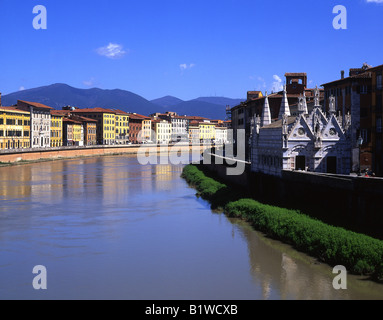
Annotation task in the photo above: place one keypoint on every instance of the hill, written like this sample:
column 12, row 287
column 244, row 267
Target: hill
column 208, row 107
column 200, row 108
column 60, row 95
column 222, row 101
column 167, row 101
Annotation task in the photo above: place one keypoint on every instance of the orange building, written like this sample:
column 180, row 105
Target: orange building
column 139, row 128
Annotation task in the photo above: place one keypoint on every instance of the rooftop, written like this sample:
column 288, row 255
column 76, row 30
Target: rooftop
column 137, row 116
column 69, row 120
column 278, row 123
column 58, row 113
column 364, row 75
column 120, row 112
column 93, row 110
column 33, row 104
column 83, row 119
column 296, row 74
column 14, row 109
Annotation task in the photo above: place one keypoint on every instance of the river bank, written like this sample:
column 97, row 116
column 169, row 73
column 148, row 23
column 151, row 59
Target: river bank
column 24, row 156
column 359, row 253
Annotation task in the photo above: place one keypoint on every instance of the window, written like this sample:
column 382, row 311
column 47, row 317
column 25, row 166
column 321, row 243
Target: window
column 363, row 89
column 379, row 103
column 378, row 125
column 365, row 133
column 379, row 82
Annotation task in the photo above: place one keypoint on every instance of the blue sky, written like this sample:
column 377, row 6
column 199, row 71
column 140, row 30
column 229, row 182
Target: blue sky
column 184, row 48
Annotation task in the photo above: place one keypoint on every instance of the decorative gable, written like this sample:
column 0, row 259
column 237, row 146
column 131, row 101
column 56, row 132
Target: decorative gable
column 333, row 130
column 300, row 130
column 317, row 121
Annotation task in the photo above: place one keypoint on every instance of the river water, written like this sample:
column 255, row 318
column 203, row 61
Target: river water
column 110, row 228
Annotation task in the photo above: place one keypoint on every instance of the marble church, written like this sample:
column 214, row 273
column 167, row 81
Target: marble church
column 315, row 141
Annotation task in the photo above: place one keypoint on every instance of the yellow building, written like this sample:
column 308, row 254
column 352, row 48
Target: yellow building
column 106, row 123
column 122, row 127
column 15, row 130
column 162, row 131
column 207, row 131
column 109, row 129
column 146, row 129
column 78, row 134
column 56, row 128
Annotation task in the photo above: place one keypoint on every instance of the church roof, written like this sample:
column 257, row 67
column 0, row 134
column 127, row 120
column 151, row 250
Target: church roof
column 278, row 124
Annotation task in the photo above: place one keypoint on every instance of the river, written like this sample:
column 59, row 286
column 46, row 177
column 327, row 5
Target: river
column 110, row 228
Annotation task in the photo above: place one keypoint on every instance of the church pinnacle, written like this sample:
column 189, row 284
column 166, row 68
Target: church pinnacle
column 285, row 108
column 266, row 115
column 302, row 104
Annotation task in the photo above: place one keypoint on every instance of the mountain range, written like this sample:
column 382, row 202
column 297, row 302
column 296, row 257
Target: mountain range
column 61, row 95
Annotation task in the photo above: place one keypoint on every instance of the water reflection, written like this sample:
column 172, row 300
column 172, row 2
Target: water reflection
column 140, row 232
column 284, row 273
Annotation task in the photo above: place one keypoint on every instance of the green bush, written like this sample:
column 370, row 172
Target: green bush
column 359, row 253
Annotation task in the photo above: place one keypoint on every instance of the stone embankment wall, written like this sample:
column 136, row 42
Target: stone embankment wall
column 351, row 202
column 13, row 156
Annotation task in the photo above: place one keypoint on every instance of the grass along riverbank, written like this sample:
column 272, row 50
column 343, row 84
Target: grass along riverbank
column 359, row 253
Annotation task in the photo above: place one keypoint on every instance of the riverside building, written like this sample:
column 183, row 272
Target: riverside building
column 106, row 123
column 14, row 128
column 311, row 141
column 243, row 114
column 361, row 95
column 56, row 128
column 122, row 127
column 40, row 123
column 162, row 130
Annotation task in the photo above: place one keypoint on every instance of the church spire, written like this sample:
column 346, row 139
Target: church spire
column 285, row 108
column 302, row 104
column 266, row 115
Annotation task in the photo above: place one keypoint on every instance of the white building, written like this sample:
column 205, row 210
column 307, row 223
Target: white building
column 314, row 142
column 162, row 130
column 179, row 129
column 194, row 133
column 40, row 123
column 220, row 135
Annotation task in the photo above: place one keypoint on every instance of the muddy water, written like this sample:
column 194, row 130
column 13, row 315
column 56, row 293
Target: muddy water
column 109, row 228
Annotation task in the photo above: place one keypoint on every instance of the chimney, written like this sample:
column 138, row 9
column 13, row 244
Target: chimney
column 342, row 74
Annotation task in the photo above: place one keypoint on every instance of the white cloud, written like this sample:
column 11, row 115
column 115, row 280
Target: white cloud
column 260, row 81
column 376, row 1
column 185, row 66
column 277, row 78
column 89, row 83
column 112, row 51
column 277, row 84
column 21, row 88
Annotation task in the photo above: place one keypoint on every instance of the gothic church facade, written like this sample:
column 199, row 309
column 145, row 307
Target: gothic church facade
column 315, row 141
